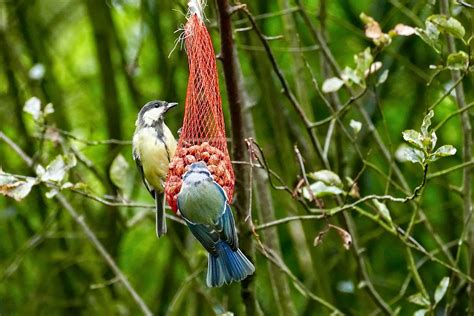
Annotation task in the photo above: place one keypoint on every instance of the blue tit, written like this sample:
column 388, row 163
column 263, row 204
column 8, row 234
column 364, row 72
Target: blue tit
column 203, row 204
column 153, row 148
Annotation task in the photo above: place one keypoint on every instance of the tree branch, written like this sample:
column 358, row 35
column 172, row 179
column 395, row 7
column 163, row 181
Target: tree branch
column 239, row 149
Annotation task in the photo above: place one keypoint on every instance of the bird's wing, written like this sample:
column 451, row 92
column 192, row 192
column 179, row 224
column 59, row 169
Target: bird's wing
column 138, row 162
column 226, row 223
column 205, row 234
column 226, row 227
column 222, row 191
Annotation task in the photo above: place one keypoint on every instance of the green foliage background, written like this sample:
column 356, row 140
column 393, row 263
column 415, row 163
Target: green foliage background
column 104, row 59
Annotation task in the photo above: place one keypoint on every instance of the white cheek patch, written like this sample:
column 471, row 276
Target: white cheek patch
column 152, row 115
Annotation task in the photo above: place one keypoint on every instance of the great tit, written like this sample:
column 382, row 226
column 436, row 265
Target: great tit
column 153, row 148
column 203, row 205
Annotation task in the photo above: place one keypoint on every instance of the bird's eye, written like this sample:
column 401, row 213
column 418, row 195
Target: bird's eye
column 156, row 105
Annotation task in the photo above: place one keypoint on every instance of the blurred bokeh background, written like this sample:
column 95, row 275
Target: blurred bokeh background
column 99, row 61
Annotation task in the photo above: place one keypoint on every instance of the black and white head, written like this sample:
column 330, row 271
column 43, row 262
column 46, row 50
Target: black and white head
column 197, row 172
column 153, row 113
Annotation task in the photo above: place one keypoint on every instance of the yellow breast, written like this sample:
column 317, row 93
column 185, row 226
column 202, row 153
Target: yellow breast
column 155, row 155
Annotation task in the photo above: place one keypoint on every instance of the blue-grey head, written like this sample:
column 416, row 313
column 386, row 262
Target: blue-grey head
column 153, row 112
column 197, row 172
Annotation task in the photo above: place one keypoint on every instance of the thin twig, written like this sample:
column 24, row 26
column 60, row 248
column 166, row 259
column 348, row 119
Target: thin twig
column 90, row 142
column 276, row 260
column 286, row 88
column 89, row 233
column 17, row 149
column 100, row 248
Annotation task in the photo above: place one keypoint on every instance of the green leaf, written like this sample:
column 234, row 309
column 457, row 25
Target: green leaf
column 320, row 189
column 420, row 312
column 58, row 168
column 448, row 25
column 419, row 299
column 349, row 75
column 413, row 137
column 404, row 30
column 118, row 171
column 33, row 107
column 430, row 35
column 383, row 209
column 15, row 188
column 332, row 85
column 356, row 126
column 363, row 61
column 52, row 193
column 433, row 141
column 374, row 67
column 383, row 77
column 458, row 61
column 426, row 124
column 444, row 151
column 327, row 177
column 413, row 155
column 441, row 289
column 48, row 109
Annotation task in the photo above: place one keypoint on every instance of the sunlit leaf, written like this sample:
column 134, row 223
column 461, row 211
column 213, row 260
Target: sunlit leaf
column 404, row 30
column 430, row 35
column 441, row 289
column 373, row 68
column 419, row 299
column 58, row 168
column 382, row 208
column 448, row 25
column 413, row 155
column 349, row 75
column 426, row 123
column 67, row 185
column 363, row 62
column 326, row 176
column 420, row 312
column 444, row 151
column 433, row 141
column 33, row 107
column 15, row 188
column 458, row 61
column 413, row 137
column 118, row 171
column 320, row 189
column 48, row 109
column 356, row 126
column 52, row 193
column 346, row 286
column 383, row 77
column 332, row 85
column 37, row 72
column 39, row 170
column 372, row 27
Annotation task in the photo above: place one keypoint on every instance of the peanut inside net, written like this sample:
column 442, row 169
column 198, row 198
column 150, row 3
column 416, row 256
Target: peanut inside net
column 203, row 133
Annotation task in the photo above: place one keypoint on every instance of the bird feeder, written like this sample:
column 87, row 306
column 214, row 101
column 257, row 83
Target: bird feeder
column 203, row 132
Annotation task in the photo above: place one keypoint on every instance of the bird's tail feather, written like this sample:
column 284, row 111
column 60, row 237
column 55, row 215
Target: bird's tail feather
column 227, row 266
column 160, row 215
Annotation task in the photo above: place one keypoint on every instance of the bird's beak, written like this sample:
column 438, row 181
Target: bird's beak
column 171, row 105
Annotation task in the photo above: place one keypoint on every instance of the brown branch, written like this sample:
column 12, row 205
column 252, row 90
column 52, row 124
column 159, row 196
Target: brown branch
column 286, row 88
column 89, row 233
column 239, row 149
column 278, row 262
column 468, row 229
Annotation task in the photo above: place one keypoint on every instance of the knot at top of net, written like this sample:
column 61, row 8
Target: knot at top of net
column 197, row 7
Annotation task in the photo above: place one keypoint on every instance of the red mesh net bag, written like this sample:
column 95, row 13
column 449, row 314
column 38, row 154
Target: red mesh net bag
column 203, row 133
